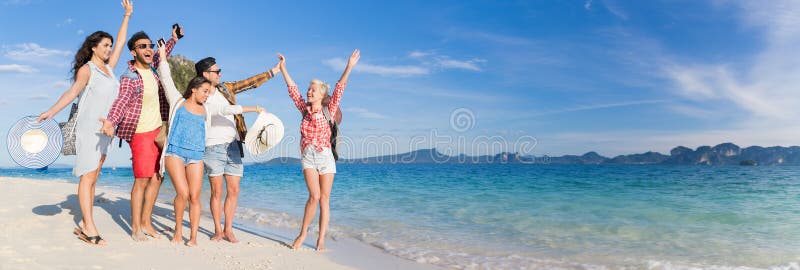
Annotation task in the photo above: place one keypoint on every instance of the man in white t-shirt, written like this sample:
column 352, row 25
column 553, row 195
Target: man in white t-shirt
column 224, row 152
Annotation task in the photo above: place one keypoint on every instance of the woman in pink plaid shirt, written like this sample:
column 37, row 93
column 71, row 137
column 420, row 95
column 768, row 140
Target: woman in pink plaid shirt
column 318, row 163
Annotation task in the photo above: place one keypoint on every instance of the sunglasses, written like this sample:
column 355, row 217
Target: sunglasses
column 145, row 46
column 218, row 71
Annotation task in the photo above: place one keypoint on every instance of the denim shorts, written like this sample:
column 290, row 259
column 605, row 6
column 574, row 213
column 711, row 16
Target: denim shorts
column 323, row 161
column 186, row 161
column 224, row 159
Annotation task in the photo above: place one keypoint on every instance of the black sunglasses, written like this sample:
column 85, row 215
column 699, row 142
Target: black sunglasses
column 144, row 46
column 218, row 71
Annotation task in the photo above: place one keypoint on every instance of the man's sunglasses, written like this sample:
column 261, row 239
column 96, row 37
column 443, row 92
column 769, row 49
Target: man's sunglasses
column 145, row 46
column 218, row 71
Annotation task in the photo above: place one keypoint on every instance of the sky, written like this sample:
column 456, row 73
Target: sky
column 471, row 77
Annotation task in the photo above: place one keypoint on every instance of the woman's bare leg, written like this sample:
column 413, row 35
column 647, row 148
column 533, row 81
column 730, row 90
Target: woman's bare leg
column 325, row 184
column 232, row 197
column 86, row 191
column 194, row 175
column 177, row 172
column 312, row 183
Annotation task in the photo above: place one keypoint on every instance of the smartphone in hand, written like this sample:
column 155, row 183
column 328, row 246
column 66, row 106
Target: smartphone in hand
column 161, row 42
column 178, row 31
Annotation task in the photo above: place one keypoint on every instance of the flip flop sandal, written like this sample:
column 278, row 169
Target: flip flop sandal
column 94, row 240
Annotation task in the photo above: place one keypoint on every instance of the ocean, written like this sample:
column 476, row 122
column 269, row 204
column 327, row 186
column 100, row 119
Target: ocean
column 521, row 216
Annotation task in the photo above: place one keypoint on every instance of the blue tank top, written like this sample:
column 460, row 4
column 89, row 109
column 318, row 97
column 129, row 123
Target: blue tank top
column 187, row 134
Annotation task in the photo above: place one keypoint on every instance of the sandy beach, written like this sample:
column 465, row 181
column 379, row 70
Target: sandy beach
column 37, row 219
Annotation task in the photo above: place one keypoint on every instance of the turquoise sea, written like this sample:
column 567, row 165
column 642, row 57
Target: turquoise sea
column 516, row 216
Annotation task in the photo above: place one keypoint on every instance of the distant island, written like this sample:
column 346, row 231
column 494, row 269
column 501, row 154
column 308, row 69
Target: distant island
column 721, row 154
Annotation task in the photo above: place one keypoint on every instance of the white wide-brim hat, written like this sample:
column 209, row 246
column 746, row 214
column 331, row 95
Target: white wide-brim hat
column 265, row 133
column 34, row 145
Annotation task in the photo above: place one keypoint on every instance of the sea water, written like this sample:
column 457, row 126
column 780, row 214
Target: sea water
column 522, row 216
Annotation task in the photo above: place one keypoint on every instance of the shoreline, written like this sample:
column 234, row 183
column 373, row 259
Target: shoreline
column 37, row 219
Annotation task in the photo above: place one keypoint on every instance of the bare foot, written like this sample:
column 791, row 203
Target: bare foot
column 217, row 237
column 298, row 242
column 177, row 238
column 321, row 245
column 191, row 243
column 230, row 237
column 138, row 236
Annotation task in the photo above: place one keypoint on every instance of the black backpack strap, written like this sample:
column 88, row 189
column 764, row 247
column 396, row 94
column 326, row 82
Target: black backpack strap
column 334, row 131
column 327, row 113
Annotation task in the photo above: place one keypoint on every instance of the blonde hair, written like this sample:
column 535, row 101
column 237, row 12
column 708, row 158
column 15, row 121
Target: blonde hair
column 324, row 87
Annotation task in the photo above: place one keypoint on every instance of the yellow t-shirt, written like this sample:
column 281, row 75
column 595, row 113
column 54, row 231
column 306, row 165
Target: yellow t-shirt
column 150, row 118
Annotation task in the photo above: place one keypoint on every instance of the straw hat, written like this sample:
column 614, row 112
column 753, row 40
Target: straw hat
column 34, row 145
column 265, row 133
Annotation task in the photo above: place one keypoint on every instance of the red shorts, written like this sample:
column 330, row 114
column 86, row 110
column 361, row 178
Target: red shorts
column 145, row 154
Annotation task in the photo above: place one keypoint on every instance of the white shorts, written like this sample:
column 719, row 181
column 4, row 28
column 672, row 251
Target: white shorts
column 323, row 161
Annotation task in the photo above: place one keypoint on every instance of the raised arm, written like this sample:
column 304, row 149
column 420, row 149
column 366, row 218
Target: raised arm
column 121, row 34
column 77, row 87
column 333, row 106
column 165, row 74
column 252, row 82
column 282, row 68
column 350, row 64
column 299, row 102
column 168, row 48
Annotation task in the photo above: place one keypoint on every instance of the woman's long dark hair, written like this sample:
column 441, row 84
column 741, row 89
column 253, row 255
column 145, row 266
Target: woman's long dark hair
column 194, row 83
column 84, row 54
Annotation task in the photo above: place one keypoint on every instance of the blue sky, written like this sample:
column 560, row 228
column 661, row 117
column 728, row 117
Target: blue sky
column 475, row 77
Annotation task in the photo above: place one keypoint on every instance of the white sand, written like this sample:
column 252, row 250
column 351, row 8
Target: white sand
column 37, row 219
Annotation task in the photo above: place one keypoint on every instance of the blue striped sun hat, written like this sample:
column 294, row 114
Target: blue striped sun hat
column 34, row 145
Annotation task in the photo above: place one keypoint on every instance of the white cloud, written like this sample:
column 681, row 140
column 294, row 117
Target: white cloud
column 601, row 106
column 428, row 62
column 587, row 5
column 17, row 68
column 419, row 54
column 364, row 113
column 616, row 10
column 80, row 32
column 697, row 112
column 31, row 51
column 39, row 97
column 440, row 61
column 766, row 86
column 468, row 64
column 403, row 71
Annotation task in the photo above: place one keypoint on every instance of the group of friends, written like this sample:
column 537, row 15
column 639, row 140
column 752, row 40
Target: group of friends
column 185, row 134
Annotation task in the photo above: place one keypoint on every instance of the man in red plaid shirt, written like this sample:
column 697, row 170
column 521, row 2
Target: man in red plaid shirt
column 138, row 113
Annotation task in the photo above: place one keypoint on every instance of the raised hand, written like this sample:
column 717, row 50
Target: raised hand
column 162, row 47
column 281, row 62
column 350, row 64
column 128, row 5
column 282, row 66
column 177, row 32
column 354, row 58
